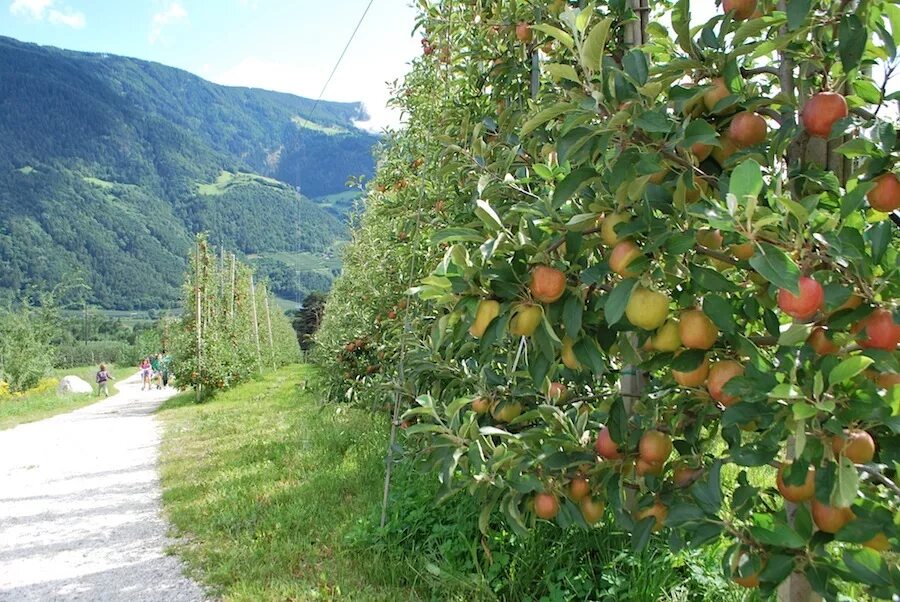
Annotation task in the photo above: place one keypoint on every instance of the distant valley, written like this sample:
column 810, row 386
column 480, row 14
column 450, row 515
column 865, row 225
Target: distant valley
column 109, row 165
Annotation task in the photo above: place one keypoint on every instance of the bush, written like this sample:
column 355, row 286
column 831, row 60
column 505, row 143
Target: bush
column 26, row 353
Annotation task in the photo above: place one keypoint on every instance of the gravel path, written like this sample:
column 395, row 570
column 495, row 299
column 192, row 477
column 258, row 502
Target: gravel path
column 80, row 515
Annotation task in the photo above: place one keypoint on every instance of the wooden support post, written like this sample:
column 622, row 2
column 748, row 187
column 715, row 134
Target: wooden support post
column 255, row 322
column 198, row 302
column 233, row 292
column 269, row 327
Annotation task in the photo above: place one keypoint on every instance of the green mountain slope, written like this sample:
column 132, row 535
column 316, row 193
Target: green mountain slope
column 109, row 164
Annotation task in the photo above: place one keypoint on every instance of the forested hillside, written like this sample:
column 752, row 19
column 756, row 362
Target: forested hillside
column 109, row 164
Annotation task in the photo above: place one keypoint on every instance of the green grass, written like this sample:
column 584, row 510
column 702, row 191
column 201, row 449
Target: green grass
column 265, row 483
column 310, row 262
column 227, row 179
column 37, row 406
column 300, row 122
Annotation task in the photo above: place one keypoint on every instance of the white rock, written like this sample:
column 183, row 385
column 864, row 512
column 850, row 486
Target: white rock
column 73, row 384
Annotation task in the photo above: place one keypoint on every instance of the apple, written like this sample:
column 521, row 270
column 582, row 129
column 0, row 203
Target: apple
column 568, row 355
column 606, row 447
column 887, row 380
column 738, row 563
column 821, row 112
column 487, row 310
column 830, row 518
column 608, row 228
column 693, row 378
column 655, row 447
column 807, row 304
column 879, row 331
column 747, row 129
column 644, row 468
column 646, row 308
column 856, row 444
column 743, row 9
column 796, row 493
column 547, row 284
column 885, row 196
column 696, row 330
column 623, row 254
column 685, row 476
column 719, row 375
column 591, row 509
column 523, row 32
column 546, row 506
column 506, row 411
column 579, row 488
column 820, row 342
column 657, row 177
column 715, row 93
column 557, row 392
column 879, row 543
column 726, row 148
column 701, row 150
column 667, row 338
column 481, row 405
column 525, row 320
column 657, row 511
column 744, row 250
column 711, row 239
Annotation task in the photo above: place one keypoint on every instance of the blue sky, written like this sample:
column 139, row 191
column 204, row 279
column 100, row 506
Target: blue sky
column 285, row 45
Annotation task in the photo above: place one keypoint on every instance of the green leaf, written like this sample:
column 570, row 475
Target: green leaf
column 681, row 23
column 546, row 115
column 879, row 236
column 700, row 131
column 572, row 311
column 689, row 360
column 795, row 335
column 849, row 368
column 708, row 492
column 641, row 535
column 851, row 41
column 456, row 234
column 595, row 45
column 803, row 410
column 853, row 200
column 720, row 312
column 868, row 566
column 560, row 72
column 653, row 121
column 490, row 218
column 746, row 180
column 846, row 484
column 564, row 38
column 711, row 280
column 797, row 10
column 571, row 183
column 775, row 266
column 635, row 64
column 780, row 535
column 859, row 147
column 618, row 299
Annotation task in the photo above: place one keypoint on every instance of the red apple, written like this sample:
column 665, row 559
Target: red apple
column 821, row 112
column 886, row 194
column 807, row 304
column 747, row 129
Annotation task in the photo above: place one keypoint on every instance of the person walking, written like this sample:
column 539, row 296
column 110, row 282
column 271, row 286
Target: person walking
column 156, row 366
column 166, row 364
column 146, row 371
column 103, row 378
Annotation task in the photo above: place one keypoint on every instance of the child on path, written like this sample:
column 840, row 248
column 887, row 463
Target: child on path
column 146, row 371
column 156, row 366
column 103, row 378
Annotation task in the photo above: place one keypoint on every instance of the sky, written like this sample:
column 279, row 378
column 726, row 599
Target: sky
column 284, row 45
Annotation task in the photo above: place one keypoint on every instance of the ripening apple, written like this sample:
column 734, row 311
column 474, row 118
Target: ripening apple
column 747, row 129
column 685, row 476
column 701, row 150
column 879, row 331
column 647, row 308
column 856, row 444
column 658, row 511
column 820, row 341
column 591, row 509
column 655, row 447
column 807, row 304
column 608, row 228
column 568, row 354
column 606, row 447
column 709, row 238
column 744, row 250
column 487, row 310
column 667, row 339
column 526, row 319
column 692, row 378
column 657, row 177
column 821, row 112
column 579, row 488
column 547, row 284
column 557, row 392
column 622, row 255
column 879, row 543
column 506, row 411
column 643, row 468
column 750, row 580
column 523, row 32
column 830, row 519
column 726, row 148
column 885, row 196
column 717, row 91
column 481, row 405
column 887, row 380
column 719, row 375
column 546, row 506
column 796, row 493
column 696, row 330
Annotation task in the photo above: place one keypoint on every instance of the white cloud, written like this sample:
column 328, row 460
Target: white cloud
column 40, row 10
column 173, row 13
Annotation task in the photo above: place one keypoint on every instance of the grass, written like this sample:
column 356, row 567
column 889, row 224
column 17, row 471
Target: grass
column 265, row 483
column 300, row 122
column 227, row 179
column 46, row 402
column 310, row 262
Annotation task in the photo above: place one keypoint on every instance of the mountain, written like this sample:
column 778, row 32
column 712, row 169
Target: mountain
column 108, row 165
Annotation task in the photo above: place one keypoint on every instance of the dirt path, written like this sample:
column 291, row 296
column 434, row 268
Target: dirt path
column 80, row 506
